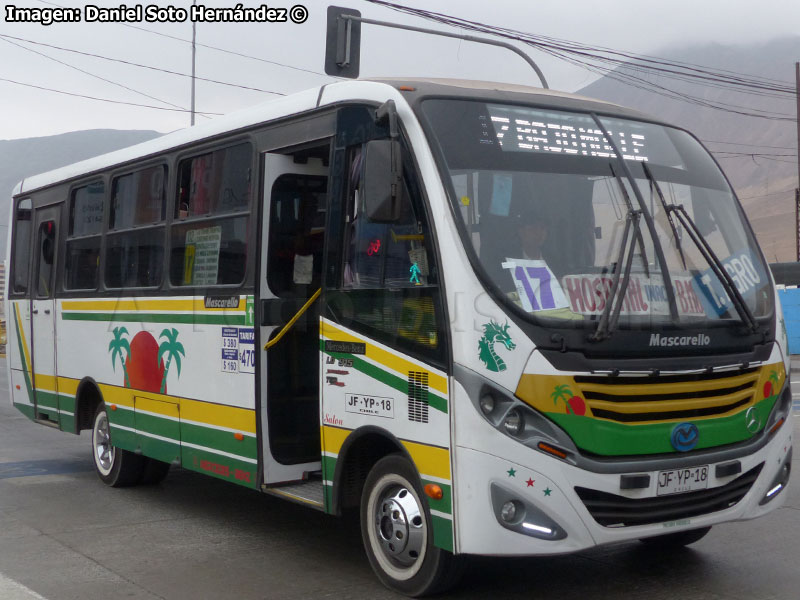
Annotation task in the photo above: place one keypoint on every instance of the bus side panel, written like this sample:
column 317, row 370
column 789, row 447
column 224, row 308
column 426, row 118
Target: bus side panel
column 170, row 392
column 384, row 388
column 18, row 352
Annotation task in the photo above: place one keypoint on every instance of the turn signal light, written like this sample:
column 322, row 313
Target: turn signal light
column 777, row 425
column 238, row 436
column 434, row 491
column 550, row 450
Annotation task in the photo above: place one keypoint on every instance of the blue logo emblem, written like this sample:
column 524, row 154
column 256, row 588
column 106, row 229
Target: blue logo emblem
column 684, row 437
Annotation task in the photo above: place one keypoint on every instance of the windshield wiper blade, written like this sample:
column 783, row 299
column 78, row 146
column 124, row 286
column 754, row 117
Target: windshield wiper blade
column 745, row 314
column 619, row 287
column 629, row 204
column 654, row 184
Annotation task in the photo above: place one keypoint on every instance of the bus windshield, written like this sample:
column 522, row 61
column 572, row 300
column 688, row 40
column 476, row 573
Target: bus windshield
column 557, row 227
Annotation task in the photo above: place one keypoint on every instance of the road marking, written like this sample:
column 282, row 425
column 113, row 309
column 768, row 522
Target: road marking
column 13, row 590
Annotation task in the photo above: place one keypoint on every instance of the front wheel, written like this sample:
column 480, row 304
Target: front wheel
column 397, row 532
column 114, row 466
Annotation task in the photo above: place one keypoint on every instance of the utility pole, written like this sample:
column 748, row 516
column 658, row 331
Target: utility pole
column 194, row 54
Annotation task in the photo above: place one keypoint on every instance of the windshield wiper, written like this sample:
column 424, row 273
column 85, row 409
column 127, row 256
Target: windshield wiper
column 619, row 287
column 639, row 238
column 745, row 314
column 654, row 184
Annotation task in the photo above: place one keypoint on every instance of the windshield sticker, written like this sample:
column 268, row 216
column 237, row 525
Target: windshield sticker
column 494, row 333
column 537, row 286
column 746, row 276
column 587, row 295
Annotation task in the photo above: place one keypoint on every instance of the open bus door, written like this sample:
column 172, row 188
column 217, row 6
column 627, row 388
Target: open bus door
column 292, row 238
column 43, row 315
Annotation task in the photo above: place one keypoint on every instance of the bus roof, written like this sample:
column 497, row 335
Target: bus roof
column 364, row 89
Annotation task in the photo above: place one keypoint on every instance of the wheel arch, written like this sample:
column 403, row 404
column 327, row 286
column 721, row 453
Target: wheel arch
column 360, row 451
column 87, row 398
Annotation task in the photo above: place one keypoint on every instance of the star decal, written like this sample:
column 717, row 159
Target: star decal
column 511, row 473
column 547, row 491
column 530, row 482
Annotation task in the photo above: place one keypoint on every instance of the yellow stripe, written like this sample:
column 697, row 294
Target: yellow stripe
column 429, row 460
column 333, row 438
column 159, row 407
column 192, row 305
column 232, row 417
column 21, row 329
column 387, row 359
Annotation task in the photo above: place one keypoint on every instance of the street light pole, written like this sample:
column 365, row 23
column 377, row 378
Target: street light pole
column 194, row 54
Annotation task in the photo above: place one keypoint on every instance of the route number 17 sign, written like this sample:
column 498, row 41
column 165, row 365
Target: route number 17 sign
column 537, row 286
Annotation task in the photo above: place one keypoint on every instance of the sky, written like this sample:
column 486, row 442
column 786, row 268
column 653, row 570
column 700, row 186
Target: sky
column 639, row 26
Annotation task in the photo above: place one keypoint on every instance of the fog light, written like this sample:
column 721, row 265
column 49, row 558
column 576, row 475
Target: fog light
column 509, row 511
column 487, row 403
column 514, row 423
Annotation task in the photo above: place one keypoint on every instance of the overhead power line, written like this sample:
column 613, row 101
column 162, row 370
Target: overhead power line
column 85, row 72
column 217, row 48
column 39, row 87
column 141, row 66
column 614, row 63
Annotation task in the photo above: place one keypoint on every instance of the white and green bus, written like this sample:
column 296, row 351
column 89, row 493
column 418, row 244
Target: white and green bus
column 494, row 319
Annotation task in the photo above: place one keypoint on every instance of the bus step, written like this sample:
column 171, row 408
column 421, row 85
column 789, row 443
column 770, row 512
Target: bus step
column 308, row 493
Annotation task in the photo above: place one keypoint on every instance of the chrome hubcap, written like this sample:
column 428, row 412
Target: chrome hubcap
column 103, row 450
column 399, row 524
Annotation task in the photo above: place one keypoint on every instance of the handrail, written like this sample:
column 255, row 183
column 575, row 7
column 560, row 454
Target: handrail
column 293, row 320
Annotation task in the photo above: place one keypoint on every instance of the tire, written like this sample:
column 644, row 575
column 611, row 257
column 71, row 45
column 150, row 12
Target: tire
column 397, row 533
column 154, row 471
column 676, row 540
column 114, row 466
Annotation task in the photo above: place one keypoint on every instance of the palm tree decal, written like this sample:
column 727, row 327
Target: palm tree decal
column 116, row 346
column 173, row 349
column 574, row 404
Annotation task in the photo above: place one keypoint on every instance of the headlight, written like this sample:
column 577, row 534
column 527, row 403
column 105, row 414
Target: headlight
column 487, row 404
column 514, row 422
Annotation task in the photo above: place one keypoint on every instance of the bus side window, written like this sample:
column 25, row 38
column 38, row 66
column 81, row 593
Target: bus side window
column 389, row 274
column 22, row 246
column 211, row 227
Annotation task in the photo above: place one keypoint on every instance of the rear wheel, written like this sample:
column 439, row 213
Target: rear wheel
column 676, row 540
column 154, row 471
column 114, row 466
column 397, row 532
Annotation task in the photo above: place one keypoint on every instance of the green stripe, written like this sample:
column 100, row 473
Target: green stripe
column 328, row 473
column 191, row 318
column 25, row 409
column 608, row 438
column 208, row 463
column 390, row 379
column 219, row 440
column 158, row 426
column 46, row 400
column 446, row 503
column 442, row 533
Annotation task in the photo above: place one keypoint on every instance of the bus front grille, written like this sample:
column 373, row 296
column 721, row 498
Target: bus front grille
column 670, row 397
column 610, row 510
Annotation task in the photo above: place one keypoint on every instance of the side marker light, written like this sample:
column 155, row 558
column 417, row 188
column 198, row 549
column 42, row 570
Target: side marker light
column 550, row 450
column 434, row 491
column 113, row 407
column 238, row 436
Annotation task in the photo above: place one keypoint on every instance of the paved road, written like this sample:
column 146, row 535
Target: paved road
column 65, row 535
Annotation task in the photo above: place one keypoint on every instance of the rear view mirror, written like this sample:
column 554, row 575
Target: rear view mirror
column 383, row 169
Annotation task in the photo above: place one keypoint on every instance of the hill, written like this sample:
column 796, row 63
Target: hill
column 764, row 184
column 25, row 157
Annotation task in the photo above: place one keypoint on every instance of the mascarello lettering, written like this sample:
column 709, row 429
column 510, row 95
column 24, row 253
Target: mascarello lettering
column 701, row 339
